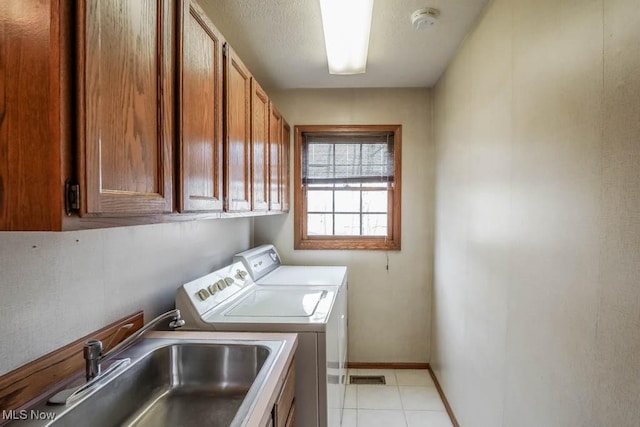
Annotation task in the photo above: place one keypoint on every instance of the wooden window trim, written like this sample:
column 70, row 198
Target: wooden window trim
column 392, row 241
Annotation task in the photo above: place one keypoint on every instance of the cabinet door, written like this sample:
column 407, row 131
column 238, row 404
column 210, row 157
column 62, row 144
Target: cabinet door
column 285, row 401
column 125, row 106
column 35, row 131
column 200, row 111
column 259, row 147
column 291, row 420
column 275, row 159
column 286, row 143
column 238, row 133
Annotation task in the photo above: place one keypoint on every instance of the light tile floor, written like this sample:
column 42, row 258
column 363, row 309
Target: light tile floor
column 409, row 399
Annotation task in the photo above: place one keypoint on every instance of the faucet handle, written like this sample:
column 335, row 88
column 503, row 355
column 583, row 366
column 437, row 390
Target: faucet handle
column 92, row 353
column 92, row 349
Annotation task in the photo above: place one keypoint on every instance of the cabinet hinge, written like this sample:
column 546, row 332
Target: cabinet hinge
column 225, row 49
column 226, row 204
column 71, row 197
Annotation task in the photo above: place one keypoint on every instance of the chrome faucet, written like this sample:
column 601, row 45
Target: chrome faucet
column 93, row 349
column 93, row 356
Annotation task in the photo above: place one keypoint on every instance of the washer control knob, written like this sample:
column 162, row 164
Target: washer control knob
column 221, row 284
column 229, row 281
column 241, row 274
column 203, row 294
column 213, row 288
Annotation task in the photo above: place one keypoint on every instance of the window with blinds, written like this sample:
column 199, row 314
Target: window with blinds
column 349, row 189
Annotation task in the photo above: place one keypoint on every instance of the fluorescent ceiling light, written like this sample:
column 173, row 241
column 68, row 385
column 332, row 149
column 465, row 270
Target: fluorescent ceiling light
column 347, row 24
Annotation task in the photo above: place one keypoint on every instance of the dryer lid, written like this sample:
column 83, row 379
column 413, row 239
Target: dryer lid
column 307, row 275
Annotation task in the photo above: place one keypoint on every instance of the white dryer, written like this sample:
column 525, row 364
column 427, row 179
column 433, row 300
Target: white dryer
column 265, row 267
column 229, row 300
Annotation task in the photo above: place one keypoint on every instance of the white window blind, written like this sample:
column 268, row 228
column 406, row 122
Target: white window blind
column 329, row 159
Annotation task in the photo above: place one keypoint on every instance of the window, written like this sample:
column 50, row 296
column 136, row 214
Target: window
column 347, row 187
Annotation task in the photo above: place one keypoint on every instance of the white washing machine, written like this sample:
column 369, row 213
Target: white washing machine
column 229, row 300
column 265, row 267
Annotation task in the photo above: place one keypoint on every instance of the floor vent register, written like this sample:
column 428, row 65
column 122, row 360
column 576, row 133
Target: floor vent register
column 367, row 379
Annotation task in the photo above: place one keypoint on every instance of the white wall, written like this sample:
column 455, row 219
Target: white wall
column 537, row 247
column 389, row 310
column 58, row 287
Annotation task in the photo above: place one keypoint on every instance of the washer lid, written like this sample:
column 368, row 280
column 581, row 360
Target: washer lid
column 272, row 303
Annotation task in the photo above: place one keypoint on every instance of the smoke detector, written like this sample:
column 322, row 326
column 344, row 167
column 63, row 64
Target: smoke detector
column 424, row 18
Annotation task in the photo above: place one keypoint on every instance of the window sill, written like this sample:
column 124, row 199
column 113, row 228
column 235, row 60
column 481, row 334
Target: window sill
column 347, row 243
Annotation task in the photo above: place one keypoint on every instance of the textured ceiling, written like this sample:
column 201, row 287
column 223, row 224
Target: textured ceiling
column 282, row 43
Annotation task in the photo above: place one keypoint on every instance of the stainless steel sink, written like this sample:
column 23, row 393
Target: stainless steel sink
column 175, row 383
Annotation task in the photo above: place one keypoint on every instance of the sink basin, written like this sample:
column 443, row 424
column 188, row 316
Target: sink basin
column 175, row 383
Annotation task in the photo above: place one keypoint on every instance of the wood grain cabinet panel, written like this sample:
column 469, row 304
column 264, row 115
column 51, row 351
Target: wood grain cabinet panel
column 200, row 111
column 35, row 135
column 259, row 147
column 125, row 108
column 237, row 80
column 285, row 179
column 275, row 159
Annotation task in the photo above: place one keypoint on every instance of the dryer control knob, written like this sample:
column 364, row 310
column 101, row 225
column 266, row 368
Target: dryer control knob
column 213, row 288
column 221, row 284
column 229, row 281
column 241, row 274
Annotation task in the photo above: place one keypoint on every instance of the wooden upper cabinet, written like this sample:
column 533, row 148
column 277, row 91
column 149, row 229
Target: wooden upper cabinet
column 259, row 147
column 200, row 111
column 237, row 81
column 125, row 106
column 285, row 179
column 102, row 94
column 275, row 159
